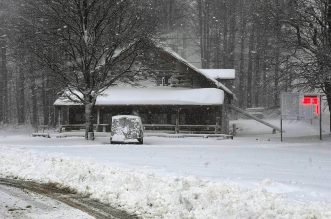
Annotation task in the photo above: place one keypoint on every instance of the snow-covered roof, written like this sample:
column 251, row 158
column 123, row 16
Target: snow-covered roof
column 125, row 116
column 154, row 96
column 222, row 74
column 185, row 62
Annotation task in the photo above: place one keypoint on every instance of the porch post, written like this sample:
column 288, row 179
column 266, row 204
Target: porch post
column 218, row 120
column 177, row 121
column 217, row 127
column 68, row 115
column 59, row 111
column 98, row 120
column 98, row 115
column 224, row 113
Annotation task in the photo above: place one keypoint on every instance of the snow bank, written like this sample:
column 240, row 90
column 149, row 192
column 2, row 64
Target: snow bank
column 152, row 196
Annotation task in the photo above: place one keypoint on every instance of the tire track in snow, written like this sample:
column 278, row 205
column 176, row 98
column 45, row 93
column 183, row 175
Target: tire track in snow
column 78, row 201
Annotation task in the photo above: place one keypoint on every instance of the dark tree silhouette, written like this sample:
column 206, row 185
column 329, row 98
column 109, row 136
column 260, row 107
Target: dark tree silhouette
column 87, row 44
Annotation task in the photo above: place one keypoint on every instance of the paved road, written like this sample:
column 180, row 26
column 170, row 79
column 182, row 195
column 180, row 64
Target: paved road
column 21, row 199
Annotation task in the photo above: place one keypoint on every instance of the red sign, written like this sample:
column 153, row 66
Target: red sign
column 312, row 101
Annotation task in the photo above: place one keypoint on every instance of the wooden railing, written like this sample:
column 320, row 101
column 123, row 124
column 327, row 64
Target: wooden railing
column 70, row 127
column 184, row 128
column 157, row 127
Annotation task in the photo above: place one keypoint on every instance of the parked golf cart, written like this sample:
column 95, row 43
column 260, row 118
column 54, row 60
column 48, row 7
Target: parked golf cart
column 126, row 129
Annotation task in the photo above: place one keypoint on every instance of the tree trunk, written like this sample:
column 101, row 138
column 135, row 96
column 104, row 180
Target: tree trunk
column 89, row 105
column 328, row 96
column 225, row 36
column 34, row 113
column 201, row 28
column 33, row 90
column 251, row 57
column 256, row 82
column 276, row 77
column 207, row 35
column 20, row 98
column 45, row 98
column 232, row 34
column 242, row 56
column 264, row 86
column 260, row 55
column 34, row 102
column 218, row 63
column 328, row 84
column 329, row 19
column 203, row 7
column 277, row 56
column 4, row 86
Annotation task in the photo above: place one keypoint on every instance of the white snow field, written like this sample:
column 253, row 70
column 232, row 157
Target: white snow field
column 252, row 176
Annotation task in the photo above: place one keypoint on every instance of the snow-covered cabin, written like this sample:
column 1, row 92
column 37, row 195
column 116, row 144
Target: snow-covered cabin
column 175, row 96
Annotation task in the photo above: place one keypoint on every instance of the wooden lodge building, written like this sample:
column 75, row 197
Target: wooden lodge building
column 175, row 97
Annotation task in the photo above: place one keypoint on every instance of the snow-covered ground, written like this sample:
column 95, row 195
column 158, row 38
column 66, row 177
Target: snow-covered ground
column 18, row 204
column 254, row 175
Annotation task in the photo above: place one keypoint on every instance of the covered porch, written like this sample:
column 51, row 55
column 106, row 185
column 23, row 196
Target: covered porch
column 161, row 110
column 170, row 119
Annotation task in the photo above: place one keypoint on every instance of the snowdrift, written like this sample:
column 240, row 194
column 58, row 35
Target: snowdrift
column 152, row 196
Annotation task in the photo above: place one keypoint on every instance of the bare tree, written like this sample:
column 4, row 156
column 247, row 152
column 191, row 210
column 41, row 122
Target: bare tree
column 307, row 32
column 87, row 44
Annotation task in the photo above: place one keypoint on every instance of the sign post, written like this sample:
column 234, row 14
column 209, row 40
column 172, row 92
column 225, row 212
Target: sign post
column 281, row 128
column 300, row 106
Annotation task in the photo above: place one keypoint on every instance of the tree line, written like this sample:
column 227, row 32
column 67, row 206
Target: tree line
column 274, row 45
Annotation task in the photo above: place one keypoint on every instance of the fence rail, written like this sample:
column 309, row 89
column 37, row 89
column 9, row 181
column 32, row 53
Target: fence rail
column 160, row 127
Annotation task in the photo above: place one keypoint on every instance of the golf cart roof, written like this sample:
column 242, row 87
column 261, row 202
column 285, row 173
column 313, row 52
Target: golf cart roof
column 125, row 116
